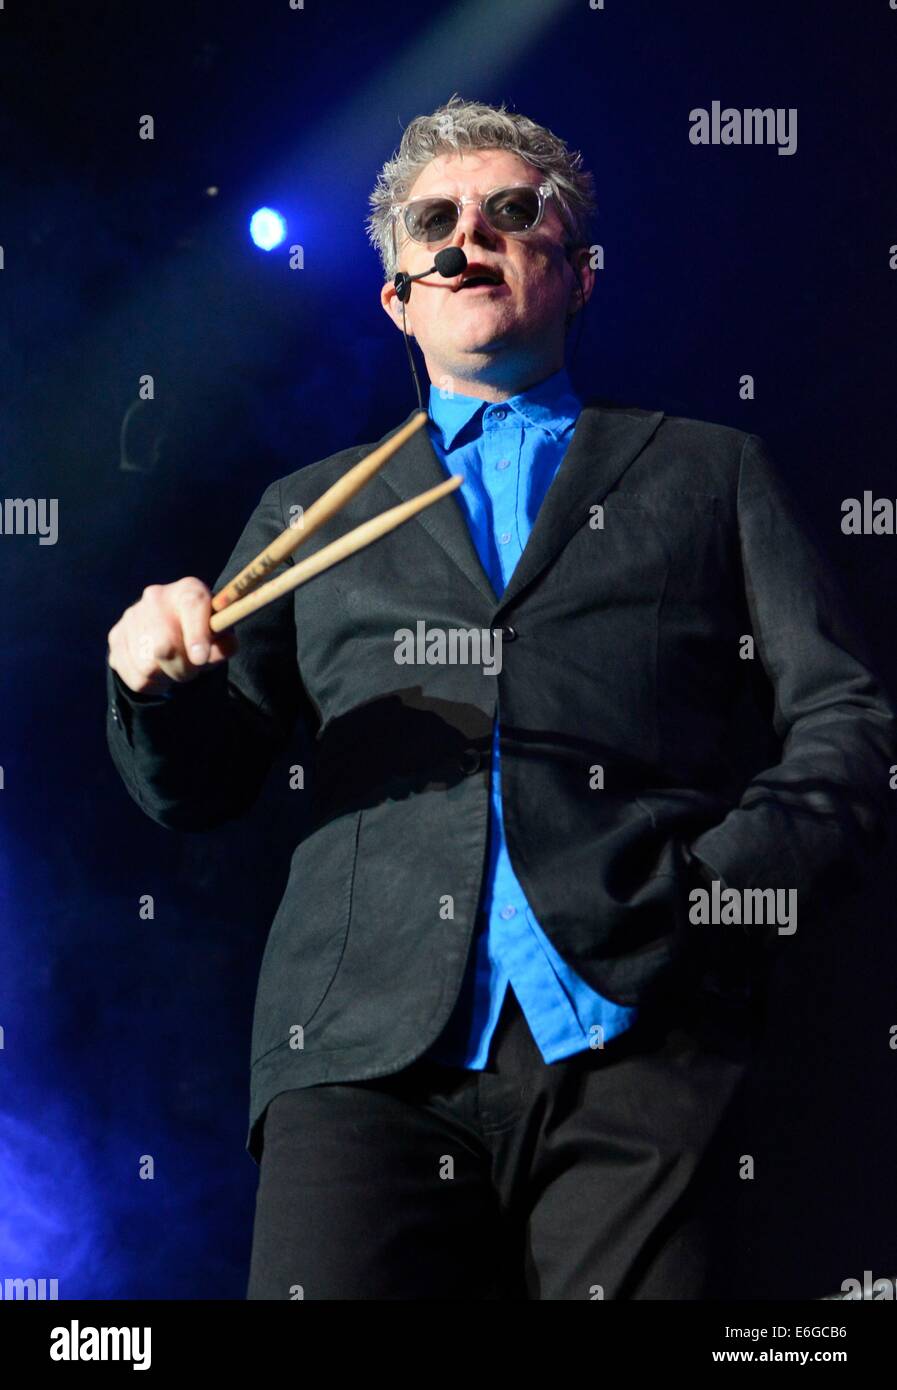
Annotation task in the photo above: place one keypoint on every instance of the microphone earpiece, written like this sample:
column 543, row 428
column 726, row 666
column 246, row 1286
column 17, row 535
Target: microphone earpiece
column 450, row 261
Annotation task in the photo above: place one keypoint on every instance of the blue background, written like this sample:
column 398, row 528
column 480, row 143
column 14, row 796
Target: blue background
column 125, row 1038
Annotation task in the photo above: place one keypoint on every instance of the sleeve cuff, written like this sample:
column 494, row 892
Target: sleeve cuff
column 138, row 698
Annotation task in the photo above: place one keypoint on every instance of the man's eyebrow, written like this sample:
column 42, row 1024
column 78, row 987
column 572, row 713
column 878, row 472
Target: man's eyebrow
column 477, row 193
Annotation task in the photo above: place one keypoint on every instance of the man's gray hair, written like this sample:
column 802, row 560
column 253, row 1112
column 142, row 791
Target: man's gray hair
column 461, row 125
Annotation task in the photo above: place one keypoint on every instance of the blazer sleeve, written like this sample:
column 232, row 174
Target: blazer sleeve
column 811, row 821
column 198, row 756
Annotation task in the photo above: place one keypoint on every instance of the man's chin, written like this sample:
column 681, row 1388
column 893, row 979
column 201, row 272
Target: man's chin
column 474, row 339
column 473, row 355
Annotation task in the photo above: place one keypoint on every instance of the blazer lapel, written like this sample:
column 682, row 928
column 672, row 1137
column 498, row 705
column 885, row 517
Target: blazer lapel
column 604, row 444
column 413, row 470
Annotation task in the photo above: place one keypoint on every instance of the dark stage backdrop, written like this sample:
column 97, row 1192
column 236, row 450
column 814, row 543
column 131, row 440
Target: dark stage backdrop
column 124, row 257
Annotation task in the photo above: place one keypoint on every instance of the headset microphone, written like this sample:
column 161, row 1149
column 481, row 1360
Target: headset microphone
column 450, row 261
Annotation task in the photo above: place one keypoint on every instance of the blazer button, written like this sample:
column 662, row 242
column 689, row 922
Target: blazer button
column 470, row 761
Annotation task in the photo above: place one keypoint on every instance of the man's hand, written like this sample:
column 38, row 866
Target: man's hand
column 165, row 639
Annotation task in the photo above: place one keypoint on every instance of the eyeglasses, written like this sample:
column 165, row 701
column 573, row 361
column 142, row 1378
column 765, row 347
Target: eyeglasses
column 514, row 211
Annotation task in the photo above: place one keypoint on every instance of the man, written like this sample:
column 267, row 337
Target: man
column 493, row 1044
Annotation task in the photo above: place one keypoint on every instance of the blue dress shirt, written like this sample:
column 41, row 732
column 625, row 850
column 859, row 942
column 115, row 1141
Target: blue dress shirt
column 508, row 454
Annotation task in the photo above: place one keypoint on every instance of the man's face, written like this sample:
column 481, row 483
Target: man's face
column 520, row 321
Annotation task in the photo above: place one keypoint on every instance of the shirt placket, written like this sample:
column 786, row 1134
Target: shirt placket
column 513, row 939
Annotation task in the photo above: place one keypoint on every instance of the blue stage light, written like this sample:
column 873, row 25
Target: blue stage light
column 267, row 228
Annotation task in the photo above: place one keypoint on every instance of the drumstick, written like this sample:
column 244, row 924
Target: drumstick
column 320, row 511
column 331, row 554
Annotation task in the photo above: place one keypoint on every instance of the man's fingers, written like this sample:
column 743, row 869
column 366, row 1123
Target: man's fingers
column 192, row 603
column 152, row 645
column 165, row 637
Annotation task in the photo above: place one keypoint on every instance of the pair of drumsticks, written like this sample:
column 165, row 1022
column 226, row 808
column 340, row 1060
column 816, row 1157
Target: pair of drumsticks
column 242, row 595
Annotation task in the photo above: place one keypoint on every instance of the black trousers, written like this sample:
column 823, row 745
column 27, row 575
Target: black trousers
column 606, row 1175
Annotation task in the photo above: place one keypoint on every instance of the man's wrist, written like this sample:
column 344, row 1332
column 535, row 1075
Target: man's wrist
column 142, row 697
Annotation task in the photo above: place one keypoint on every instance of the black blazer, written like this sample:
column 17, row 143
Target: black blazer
column 622, row 658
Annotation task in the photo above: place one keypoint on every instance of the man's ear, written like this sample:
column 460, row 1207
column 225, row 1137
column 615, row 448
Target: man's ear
column 392, row 306
column 580, row 258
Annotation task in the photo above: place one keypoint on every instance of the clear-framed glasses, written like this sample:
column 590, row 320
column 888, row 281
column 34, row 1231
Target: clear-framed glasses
column 512, row 209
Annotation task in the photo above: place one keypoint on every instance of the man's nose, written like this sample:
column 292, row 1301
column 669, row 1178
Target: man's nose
column 472, row 226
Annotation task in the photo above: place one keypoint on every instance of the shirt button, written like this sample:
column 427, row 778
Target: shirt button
column 470, row 761
column 509, row 910
column 505, row 537
column 509, row 634
column 115, row 715
column 499, row 412
column 503, row 463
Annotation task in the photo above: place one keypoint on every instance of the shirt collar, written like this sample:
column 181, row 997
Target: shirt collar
column 552, row 405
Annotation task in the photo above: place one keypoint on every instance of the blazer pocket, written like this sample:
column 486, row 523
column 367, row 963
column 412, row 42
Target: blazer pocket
column 308, row 935
column 686, row 526
column 661, row 501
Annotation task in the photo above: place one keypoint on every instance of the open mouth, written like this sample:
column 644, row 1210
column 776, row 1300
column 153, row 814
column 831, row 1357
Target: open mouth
column 481, row 280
